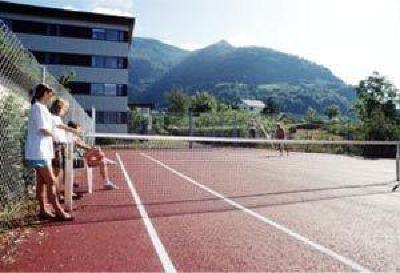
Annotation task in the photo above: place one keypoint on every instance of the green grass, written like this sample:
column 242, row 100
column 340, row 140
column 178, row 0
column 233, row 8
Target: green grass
column 18, row 214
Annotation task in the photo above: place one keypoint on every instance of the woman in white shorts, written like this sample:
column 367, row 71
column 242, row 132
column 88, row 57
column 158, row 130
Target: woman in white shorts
column 39, row 153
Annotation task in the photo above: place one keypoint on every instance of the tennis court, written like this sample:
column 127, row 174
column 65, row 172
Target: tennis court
column 223, row 208
column 195, row 206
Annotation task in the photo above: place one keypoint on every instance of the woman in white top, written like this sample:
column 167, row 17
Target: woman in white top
column 39, row 152
column 58, row 109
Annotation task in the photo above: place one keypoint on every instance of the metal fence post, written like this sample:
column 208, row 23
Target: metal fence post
column 43, row 74
column 397, row 167
column 150, row 122
column 69, row 174
column 190, row 127
column 93, row 120
column 398, row 162
column 221, row 124
column 235, row 126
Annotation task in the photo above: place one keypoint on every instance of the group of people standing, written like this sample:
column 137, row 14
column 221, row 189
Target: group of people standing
column 253, row 126
column 279, row 134
column 45, row 147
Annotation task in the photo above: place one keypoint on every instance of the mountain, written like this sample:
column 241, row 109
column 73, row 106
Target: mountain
column 149, row 60
column 233, row 73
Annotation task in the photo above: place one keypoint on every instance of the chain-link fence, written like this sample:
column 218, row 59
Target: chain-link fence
column 19, row 72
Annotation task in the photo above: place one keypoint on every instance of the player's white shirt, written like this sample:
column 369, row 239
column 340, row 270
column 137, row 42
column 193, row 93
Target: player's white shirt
column 39, row 146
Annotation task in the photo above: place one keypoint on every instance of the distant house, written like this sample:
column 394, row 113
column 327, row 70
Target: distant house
column 141, row 107
column 255, row 106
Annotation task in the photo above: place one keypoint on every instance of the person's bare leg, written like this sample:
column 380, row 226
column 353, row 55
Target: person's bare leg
column 41, row 191
column 104, row 171
column 48, row 176
column 104, row 174
column 57, row 172
column 40, row 194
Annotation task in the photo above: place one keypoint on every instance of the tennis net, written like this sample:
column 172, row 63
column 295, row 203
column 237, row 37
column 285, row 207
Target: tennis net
column 179, row 175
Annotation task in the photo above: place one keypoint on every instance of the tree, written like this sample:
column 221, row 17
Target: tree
column 135, row 121
column 375, row 108
column 203, row 102
column 311, row 115
column 271, row 107
column 222, row 107
column 67, row 78
column 332, row 111
column 178, row 102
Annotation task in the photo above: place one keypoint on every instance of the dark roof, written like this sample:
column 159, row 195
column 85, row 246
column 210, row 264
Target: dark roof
column 23, row 9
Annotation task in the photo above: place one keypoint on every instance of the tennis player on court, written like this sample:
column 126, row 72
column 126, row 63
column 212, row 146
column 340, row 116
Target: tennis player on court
column 39, row 153
column 280, row 135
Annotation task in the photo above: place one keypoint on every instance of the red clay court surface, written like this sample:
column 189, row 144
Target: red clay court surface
column 219, row 210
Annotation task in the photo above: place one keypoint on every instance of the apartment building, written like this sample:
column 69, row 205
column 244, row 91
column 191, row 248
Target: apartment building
column 95, row 47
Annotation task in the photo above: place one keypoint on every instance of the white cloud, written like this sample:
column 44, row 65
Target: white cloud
column 71, row 8
column 190, row 46
column 115, row 7
column 111, row 11
column 243, row 39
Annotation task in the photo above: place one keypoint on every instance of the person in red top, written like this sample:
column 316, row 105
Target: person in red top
column 280, row 135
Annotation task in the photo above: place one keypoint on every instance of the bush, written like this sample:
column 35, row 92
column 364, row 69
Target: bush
column 15, row 178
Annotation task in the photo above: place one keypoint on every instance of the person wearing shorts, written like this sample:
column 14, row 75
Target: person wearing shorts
column 39, row 153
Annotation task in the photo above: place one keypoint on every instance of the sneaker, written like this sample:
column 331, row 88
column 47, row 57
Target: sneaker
column 110, row 162
column 110, row 186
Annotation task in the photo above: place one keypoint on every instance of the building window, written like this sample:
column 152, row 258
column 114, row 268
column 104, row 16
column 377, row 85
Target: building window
column 31, row 27
column 111, row 117
column 124, row 117
column 81, row 60
column 40, row 57
column 53, row 58
column 122, row 90
column 97, row 89
column 112, row 35
column 98, row 61
column 110, row 90
column 53, row 30
column 75, row 32
column 79, row 88
column 100, row 117
column 99, row 34
column 22, row 26
column 74, row 59
column 109, row 35
column 109, row 62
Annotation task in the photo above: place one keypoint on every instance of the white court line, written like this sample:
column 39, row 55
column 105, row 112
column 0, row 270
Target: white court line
column 155, row 239
column 354, row 265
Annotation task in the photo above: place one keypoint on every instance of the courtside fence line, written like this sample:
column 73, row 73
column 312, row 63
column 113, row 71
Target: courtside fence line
column 19, row 72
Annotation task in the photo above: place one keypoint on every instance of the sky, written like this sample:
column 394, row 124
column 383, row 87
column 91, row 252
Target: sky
column 353, row 38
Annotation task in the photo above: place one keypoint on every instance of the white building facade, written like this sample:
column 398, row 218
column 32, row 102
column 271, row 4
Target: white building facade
column 95, row 47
